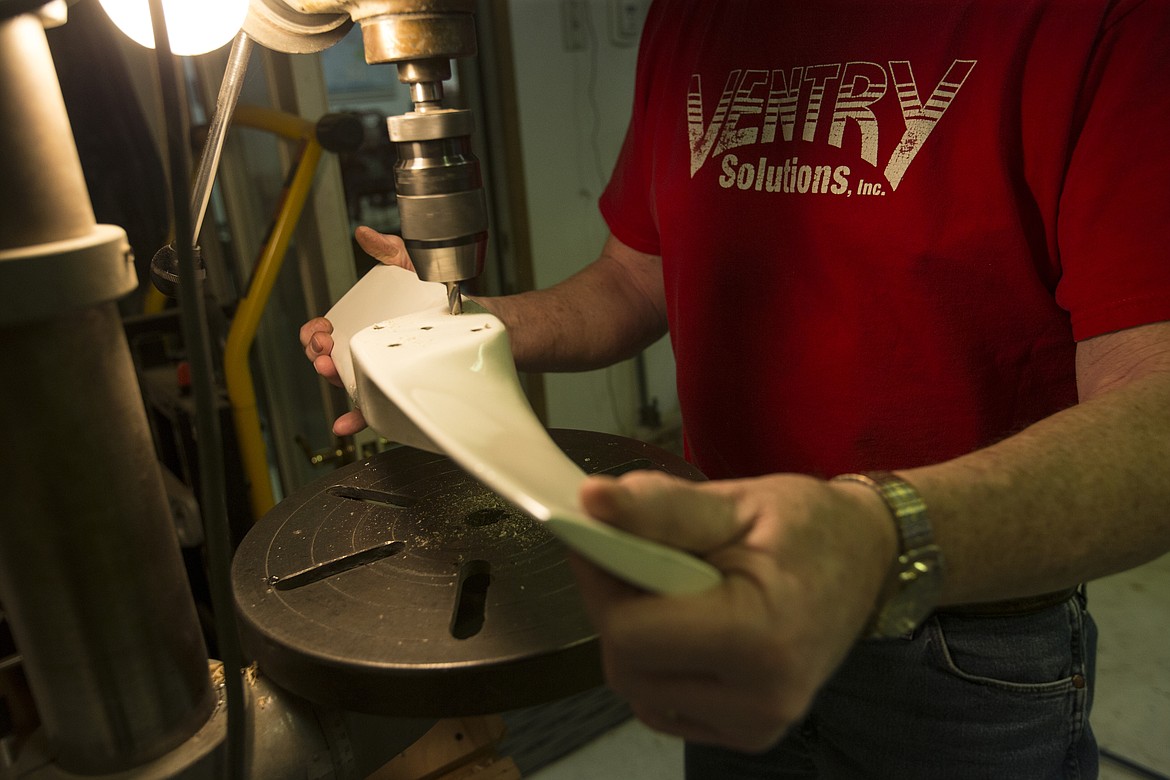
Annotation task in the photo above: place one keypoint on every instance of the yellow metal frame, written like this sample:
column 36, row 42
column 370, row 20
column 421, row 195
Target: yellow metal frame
column 242, row 332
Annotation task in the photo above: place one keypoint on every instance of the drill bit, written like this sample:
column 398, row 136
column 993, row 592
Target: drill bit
column 454, row 299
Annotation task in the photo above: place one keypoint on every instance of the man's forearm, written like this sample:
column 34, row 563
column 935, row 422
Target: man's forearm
column 1079, row 495
column 607, row 312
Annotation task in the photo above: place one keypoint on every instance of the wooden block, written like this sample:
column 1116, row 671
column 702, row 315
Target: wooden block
column 495, row 769
column 451, row 745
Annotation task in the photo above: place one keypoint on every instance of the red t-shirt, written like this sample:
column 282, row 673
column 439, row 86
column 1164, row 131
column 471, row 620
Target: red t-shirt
column 883, row 225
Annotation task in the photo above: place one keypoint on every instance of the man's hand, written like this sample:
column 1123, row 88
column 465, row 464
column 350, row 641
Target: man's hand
column 803, row 562
column 317, row 334
column 388, row 250
column 317, row 339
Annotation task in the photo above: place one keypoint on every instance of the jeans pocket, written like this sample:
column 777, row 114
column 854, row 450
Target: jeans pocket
column 1035, row 653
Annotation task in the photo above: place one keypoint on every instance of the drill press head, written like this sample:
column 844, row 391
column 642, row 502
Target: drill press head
column 437, row 179
column 440, row 189
column 438, row 182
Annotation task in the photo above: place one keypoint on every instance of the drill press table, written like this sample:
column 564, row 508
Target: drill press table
column 401, row 586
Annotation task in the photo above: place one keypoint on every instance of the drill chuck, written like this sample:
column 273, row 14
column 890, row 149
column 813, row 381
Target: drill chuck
column 440, row 194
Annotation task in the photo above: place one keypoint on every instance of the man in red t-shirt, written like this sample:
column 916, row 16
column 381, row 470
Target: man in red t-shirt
column 922, row 238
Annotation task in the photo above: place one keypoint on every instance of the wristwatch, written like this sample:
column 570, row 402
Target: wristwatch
column 914, row 586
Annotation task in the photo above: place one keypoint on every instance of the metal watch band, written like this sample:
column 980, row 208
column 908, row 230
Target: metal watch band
column 914, row 585
column 905, row 504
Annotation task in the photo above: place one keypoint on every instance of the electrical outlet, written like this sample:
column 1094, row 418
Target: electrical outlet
column 626, row 18
column 575, row 24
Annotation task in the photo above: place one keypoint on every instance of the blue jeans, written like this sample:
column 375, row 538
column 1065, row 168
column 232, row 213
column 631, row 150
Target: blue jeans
column 994, row 698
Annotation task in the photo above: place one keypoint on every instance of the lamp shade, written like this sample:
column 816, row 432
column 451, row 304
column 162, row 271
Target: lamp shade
column 193, row 26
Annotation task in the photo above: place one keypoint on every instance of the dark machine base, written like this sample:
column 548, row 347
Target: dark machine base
column 401, row 586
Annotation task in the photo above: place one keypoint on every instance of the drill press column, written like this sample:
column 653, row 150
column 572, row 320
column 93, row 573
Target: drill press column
column 91, row 576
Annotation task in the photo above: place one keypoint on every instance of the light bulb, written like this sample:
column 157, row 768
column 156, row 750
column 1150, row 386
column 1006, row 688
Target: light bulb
column 193, row 26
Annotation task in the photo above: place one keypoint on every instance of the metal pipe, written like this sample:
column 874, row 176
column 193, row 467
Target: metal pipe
column 197, row 341
column 225, row 106
column 90, row 571
column 237, row 370
column 91, row 575
column 237, row 367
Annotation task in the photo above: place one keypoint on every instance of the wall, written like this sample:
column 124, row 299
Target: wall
column 575, row 81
